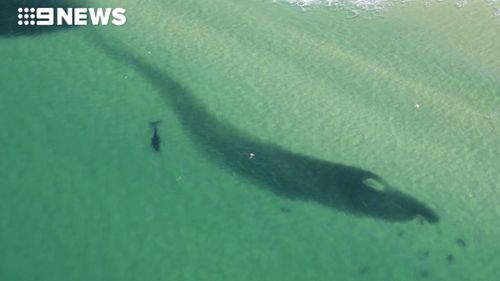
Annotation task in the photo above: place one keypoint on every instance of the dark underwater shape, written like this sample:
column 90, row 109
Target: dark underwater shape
column 285, row 173
column 155, row 140
column 8, row 16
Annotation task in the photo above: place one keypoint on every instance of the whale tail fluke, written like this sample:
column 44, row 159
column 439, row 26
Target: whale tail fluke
column 154, row 123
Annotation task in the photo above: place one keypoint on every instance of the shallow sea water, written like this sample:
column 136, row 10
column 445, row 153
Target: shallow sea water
column 84, row 197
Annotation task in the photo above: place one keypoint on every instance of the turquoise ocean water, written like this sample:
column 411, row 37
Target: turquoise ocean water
column 85, row 197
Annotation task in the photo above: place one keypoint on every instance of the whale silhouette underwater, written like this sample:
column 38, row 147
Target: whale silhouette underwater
column 285, row 173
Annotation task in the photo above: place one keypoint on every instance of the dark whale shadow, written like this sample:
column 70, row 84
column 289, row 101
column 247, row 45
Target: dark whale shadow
column 285, row 173
column 8, row 16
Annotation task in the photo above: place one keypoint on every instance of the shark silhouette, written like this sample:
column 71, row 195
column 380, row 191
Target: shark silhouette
column 155, row 140
column 285, row 173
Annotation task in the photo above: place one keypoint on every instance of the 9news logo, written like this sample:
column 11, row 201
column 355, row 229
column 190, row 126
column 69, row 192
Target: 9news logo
column 71, row 16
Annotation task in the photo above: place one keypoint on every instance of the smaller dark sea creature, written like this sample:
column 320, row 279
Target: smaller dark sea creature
column 285, row 210
column 461, row 242
column 423, row 274
column 450, row 258
column 155, row 140
column 364, row 270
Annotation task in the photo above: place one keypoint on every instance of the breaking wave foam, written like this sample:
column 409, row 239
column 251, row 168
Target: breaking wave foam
column 357, row 6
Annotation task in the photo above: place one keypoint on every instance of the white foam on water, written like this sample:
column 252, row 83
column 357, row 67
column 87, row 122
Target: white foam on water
column 352, row 5
column 357, row 6
column 462, row 3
